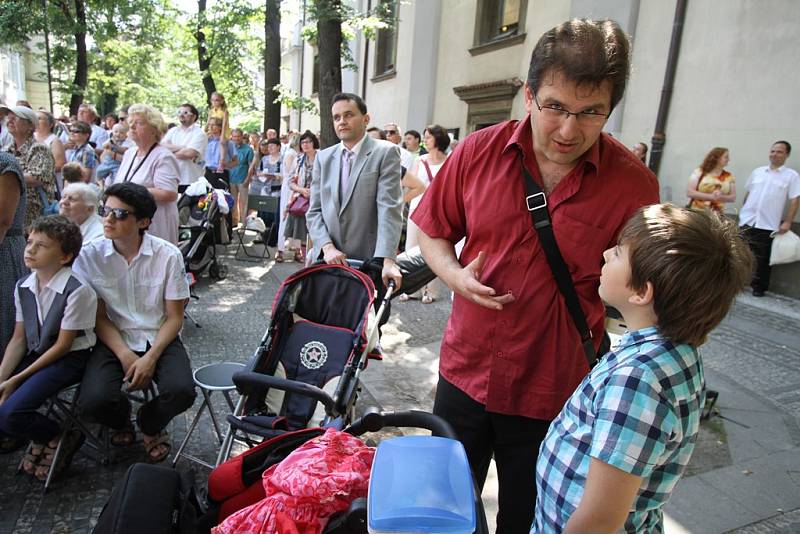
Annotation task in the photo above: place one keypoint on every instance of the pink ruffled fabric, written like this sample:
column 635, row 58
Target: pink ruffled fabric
column 320, row 478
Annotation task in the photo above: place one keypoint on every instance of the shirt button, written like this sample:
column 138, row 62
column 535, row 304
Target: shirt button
column 499, row 354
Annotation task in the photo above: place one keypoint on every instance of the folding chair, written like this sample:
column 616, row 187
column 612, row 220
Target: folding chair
column 258, row 203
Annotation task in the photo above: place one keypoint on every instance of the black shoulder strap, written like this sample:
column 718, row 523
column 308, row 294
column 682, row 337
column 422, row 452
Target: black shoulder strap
column 537, row 206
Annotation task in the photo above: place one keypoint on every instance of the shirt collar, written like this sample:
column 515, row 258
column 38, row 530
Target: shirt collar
column 146, row 248
column 522, row 140
column 357, row 148
column 57, row 283
column 637, row 337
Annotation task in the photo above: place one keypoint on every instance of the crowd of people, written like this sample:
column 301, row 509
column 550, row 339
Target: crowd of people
column 535, row 225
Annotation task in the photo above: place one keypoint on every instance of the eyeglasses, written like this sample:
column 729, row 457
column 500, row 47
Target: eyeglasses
column 73, row 130
column 556, row 113
column 119, row 214
column 390, row 132
column 184, row 112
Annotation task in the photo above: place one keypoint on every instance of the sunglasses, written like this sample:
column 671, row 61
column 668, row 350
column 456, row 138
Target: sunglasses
column 390, row 132
column 119, row 214
column 77, row 131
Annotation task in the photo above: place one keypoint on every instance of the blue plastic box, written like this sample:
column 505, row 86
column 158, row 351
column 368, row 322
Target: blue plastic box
column 421, row 484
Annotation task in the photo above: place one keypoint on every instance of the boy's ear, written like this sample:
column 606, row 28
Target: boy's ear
column 67, row 257
column 643, row 297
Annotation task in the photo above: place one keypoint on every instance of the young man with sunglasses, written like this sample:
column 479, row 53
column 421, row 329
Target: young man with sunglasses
column 141, row 288
column 511, row 354
column 187, row 141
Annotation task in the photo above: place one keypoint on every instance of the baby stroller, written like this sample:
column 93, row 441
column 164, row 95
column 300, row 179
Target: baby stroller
column 316, row 346
column 202, row 222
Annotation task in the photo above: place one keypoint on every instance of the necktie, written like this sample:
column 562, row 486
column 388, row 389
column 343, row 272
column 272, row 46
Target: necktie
column 347, row 160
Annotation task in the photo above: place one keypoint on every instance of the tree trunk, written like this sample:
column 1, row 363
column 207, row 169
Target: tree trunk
column 203, row 59
column 81, row 79
column 272, row 64
column 329, row 43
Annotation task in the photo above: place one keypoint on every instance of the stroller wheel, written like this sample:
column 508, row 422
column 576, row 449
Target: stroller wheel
column 218, row 271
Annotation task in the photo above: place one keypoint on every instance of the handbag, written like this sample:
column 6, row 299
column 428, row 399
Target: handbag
column 299, row 206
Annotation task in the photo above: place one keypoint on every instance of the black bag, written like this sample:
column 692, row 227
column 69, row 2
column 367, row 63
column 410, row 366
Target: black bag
column 150, row 499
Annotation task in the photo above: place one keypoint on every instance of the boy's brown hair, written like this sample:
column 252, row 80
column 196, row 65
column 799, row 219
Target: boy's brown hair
column 62, row 230
column 72, row 172
column 697, row 263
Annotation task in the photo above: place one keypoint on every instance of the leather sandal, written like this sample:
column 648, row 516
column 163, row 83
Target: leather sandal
column 162, row 440
column 32, row 456
column 279, row 257
column 124, row 437
column 71, row 442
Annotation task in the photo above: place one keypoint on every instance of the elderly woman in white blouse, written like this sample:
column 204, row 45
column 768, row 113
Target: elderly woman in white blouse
column 154, row 167
column 79, row 205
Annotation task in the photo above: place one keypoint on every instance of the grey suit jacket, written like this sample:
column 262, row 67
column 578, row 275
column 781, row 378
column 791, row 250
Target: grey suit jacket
column 368, row 220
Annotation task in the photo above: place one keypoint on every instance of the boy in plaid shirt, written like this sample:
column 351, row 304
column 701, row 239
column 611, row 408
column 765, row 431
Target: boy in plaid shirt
column 615, row 452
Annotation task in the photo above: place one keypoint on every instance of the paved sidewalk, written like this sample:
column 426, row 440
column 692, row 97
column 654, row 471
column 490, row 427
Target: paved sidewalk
column 748, row 479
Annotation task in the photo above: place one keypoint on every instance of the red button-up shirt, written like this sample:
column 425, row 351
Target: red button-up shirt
column 527, row 359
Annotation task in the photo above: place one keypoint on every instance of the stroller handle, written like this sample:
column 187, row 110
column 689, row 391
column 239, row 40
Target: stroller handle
column 375, row 420
column 248, row 379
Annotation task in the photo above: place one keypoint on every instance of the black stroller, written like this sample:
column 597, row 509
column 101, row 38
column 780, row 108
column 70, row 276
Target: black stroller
column 202, row 223
column 320, row 336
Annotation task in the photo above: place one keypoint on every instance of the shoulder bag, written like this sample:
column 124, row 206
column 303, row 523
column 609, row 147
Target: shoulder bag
column 536, row 203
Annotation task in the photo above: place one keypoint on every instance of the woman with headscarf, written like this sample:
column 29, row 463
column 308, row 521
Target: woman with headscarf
column 154, row 167
column 35, row 160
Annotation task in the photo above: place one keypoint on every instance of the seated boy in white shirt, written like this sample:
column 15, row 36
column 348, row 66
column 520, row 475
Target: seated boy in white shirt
column 141, row 288
column 51, row 343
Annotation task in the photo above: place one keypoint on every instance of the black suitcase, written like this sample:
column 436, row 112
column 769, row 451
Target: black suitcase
column 150, row 499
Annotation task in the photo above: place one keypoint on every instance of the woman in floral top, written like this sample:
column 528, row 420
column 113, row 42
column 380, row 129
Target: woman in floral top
column 34, row 158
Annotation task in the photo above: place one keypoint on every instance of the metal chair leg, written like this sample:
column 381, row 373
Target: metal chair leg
column 189, row 432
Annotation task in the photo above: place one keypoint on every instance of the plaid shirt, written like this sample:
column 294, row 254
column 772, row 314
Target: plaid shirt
column 84, row 155
column 639, row 411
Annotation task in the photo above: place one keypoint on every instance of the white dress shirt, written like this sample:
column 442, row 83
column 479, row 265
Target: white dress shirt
column 135, row 293
column 80, row 312
column 99, row 136
column 192, row 137
column 92, row 228
column 767, row 192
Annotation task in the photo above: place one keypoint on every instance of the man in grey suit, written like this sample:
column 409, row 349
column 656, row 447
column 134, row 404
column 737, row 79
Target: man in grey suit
column 356, row 208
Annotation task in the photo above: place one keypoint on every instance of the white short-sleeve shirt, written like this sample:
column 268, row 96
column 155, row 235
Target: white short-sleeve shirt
column 80, row 312
column 159, row 170
column 192, row 137
column 767, row 193
column 135, row 293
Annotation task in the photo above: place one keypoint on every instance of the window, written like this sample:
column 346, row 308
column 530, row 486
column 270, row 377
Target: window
column 386, row 43
column 315, row 76
column 499, row 21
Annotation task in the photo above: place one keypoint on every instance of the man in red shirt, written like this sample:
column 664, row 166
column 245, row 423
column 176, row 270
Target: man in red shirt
column 511, row 354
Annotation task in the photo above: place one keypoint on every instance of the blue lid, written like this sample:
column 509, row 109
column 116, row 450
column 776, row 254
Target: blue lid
column 421, row 484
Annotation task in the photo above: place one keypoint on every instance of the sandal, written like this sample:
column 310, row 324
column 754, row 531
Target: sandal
column 162, row 440
column 123, row 437
column 32, row 456
column 298, row 257
column 279, row 257
column 70, row 443
column 427, row 299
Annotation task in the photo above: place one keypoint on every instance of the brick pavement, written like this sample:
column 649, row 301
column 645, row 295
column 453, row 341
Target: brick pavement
column 754, row 355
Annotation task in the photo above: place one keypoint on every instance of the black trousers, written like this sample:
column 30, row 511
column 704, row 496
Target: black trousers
column 761, row 244
column 101, row 399
column 513, row 441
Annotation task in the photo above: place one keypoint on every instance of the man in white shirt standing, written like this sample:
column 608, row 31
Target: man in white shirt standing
column 394, row 135
column 141, row 288
column 768, row 189
column 88, row 114
column 187, row 141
